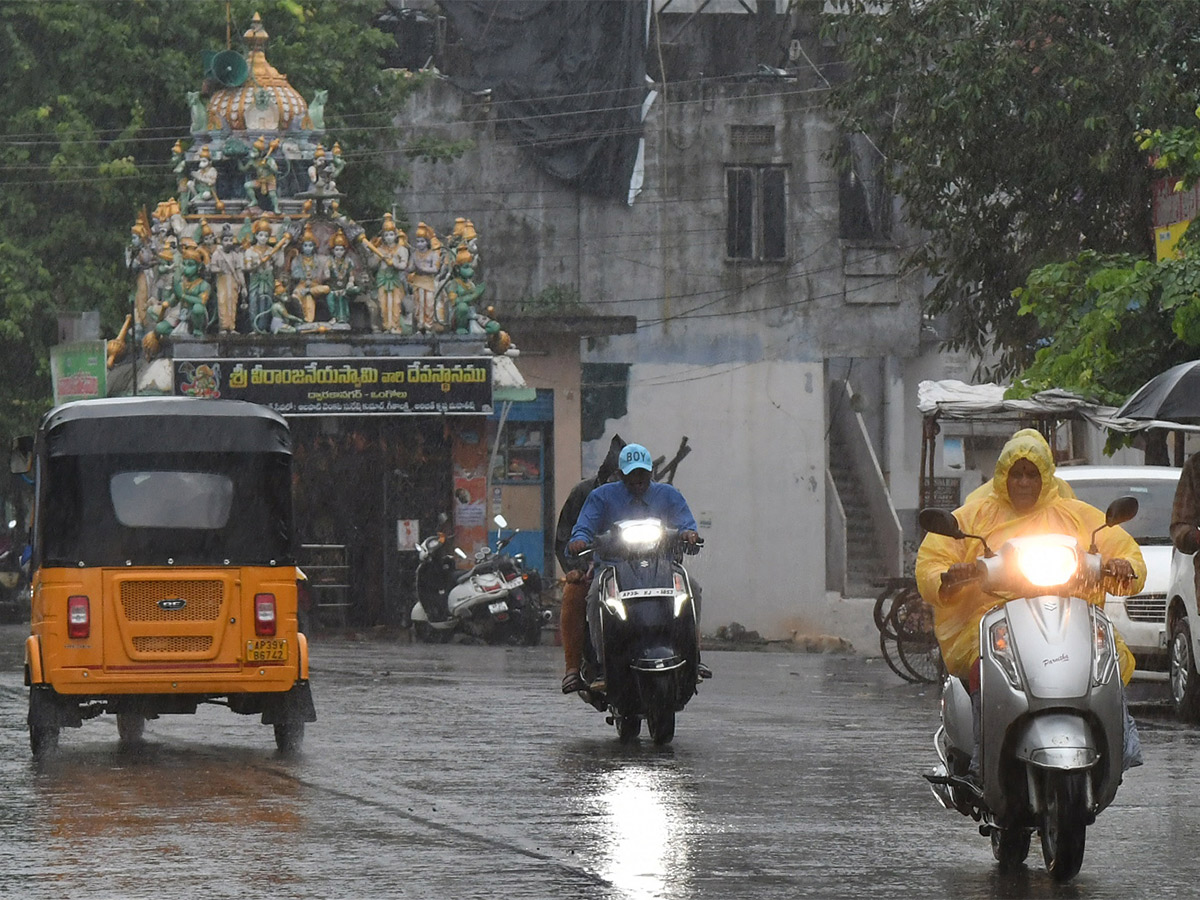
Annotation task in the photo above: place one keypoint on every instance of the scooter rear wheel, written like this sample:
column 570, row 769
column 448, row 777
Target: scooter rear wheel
column 661, row 725
column 1064, row 825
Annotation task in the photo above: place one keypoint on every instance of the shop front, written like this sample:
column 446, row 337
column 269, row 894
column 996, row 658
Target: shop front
column 388, row 449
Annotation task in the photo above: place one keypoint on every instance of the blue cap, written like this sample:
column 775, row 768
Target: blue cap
column 634, row 456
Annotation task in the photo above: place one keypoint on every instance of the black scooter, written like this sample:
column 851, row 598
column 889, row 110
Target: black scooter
column 647, row 629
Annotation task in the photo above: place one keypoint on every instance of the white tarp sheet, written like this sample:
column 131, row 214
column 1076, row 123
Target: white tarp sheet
column 951, row 399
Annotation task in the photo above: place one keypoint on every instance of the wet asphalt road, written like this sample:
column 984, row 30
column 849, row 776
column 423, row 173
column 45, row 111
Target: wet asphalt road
column 461, row 772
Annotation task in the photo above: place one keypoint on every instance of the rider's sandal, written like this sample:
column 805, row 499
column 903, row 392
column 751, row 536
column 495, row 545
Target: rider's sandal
column 572, row 682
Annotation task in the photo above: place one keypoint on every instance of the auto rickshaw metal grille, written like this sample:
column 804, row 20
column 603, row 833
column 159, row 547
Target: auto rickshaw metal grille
column 203, row 600
column 173, row 644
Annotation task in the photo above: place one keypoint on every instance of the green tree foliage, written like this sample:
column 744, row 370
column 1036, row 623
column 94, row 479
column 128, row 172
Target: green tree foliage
column 1007, row 126
column 1115, row 321
column 95, row 94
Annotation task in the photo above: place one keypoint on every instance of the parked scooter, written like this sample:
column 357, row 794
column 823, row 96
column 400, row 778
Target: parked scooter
column 497, row 600
column 1051, row 731
column 649, row 628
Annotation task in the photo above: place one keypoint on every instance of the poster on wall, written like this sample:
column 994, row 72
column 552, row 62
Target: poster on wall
column 78, row 370
column 345, row 386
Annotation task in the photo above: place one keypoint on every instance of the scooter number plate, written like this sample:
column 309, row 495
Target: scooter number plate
column 271, row 650
column 498, row 607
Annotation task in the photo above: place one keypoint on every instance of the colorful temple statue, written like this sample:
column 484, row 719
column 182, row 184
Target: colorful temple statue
column 255, row 140
column 226, row 266
column 191, row 291
column 422, row 279
column 461, row 291
column 262, row 174
column 283, row 320
column 343, row 286
column 261, row 261
column 309, row 273
column 394, row 260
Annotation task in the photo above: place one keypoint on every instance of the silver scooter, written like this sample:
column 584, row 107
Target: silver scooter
column 1050, row 740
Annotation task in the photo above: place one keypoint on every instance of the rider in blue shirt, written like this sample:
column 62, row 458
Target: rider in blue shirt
column 635, row 496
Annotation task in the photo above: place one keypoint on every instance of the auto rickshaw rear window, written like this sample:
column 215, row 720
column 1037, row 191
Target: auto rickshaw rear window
column 154, row 509
column 197, row 500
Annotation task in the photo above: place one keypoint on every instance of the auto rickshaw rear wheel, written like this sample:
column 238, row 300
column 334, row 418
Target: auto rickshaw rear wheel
column 43, row 739
column 289, row 736
column 130, row 727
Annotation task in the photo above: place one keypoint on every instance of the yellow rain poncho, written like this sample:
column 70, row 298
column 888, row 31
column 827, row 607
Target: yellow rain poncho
column 991, row 514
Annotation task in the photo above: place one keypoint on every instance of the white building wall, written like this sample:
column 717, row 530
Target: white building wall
column 755, row 480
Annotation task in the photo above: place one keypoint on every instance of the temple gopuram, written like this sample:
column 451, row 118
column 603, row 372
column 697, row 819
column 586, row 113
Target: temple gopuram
column 252, row 281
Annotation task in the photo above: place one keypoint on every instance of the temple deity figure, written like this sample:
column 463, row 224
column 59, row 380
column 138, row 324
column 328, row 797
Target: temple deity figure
column 202, row 185
column 207, row 239
column 422, row 278
column 191, row 291
column 282, row 318
column 261, row 173
column 179, row 167
column 319, row 171
column 226, row 266
column 260, row 264
column 199, row 110
column 394, row 259
column 343, row 286
column 310, row 275
column 336, row 166
column 461, row 291
column 141, row 261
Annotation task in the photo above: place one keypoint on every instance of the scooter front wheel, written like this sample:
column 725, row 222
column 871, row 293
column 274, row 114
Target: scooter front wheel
column 427, row 634
column 1010, row 846
column 1064, row 824
column 628, row 727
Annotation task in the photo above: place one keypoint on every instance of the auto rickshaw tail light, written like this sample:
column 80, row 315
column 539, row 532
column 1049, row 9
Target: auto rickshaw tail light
column 79, row 617
column 264, row 615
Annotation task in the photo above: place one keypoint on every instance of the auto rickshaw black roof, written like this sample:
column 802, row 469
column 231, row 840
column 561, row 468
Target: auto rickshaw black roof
column 163, row 424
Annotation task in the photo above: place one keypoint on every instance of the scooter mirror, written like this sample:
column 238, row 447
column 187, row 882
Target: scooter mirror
column 1121, row 510
column 500, row 521
column 940, row 521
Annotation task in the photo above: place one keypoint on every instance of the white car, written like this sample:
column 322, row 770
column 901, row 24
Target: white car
column 1141, row 619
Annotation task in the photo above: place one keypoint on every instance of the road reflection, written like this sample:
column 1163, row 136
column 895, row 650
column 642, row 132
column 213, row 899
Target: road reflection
column 645, row 828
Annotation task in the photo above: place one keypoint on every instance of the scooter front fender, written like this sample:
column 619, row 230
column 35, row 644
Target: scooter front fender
column 1057, row 741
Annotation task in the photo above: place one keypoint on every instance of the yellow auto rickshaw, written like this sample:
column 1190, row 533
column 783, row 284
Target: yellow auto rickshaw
column 163, row 566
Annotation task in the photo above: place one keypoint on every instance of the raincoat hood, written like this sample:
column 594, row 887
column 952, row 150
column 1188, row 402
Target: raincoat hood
column 608, row 468
column 1026, row 444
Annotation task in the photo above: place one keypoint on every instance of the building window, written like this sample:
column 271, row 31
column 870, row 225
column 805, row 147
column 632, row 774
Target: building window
column 756, row 212
column 865, row 205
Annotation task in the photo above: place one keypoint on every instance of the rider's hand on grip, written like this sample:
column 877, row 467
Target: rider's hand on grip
column 959, row 574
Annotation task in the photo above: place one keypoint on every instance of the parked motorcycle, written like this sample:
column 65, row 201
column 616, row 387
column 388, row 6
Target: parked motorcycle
column 647, row 620
column 1051, row 728
column 498, row 600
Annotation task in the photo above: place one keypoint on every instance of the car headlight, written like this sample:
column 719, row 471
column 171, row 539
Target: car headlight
column 1104, row 654
column 1003, row 652
column 641, row 532
column 1046, row 562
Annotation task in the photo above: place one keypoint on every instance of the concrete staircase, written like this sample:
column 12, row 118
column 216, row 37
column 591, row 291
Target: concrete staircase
column 864, row 562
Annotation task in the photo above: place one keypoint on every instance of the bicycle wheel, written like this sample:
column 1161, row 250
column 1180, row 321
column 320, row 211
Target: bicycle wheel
column 883, row 609
column 916, row 643
column 889, row 648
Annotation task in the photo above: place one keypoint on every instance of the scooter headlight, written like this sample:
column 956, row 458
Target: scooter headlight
column 1047, row 562
column 1003, row 652
column 641, row 532
column 610, row 599
column 1104, row 653
column 681, row 595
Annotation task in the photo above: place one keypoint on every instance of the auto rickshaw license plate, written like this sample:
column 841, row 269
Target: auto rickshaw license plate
column 267, row 650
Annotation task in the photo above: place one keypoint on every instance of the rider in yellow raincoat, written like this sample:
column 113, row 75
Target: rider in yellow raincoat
column 1026, row 501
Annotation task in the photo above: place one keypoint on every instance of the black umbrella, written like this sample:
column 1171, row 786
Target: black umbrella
column 1173, row 395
